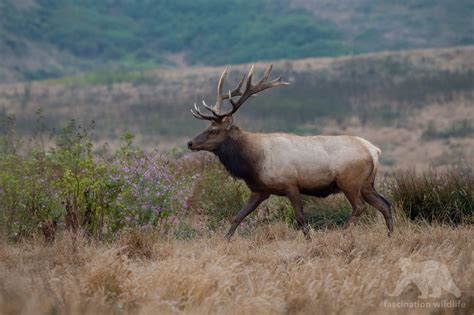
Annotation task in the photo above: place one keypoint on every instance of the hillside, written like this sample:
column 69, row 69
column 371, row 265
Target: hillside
column 370, row 25
column 46, row 39
column 415, row 105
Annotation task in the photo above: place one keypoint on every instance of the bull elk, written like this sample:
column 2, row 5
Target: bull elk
column 288, row 165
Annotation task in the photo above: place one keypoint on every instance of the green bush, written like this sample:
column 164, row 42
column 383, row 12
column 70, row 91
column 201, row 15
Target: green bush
column 67, row 186
column 218, row 196
column 108, row 77
column 446, row 197
column 63, row 184
column 327, row 213
column 333, row 212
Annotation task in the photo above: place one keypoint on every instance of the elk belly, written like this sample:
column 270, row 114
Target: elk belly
column 321, row 191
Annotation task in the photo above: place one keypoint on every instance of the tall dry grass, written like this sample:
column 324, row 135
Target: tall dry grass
column 272, row 271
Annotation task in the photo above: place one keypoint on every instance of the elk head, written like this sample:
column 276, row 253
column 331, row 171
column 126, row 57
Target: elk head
column 222, row 122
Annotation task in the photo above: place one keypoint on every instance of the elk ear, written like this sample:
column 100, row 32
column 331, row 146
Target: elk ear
column 227, row 121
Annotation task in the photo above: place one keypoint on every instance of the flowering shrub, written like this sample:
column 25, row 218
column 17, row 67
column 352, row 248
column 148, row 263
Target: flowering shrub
column 153, row 188
column 68, row 186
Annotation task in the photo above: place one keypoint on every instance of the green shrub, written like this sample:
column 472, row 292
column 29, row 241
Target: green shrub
column 327, row 213
column 67, row 186
column 332, row 212
column 446, row 197
column 63, row 184
column 218, row 196
column 108, row 77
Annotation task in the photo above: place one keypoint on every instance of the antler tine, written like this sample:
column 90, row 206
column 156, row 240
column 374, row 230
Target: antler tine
column 220, row 86
column 249, row 79
column 209, row 108
column 219, row 98
column 277, row 82
column 266, row 74
column 198, row 114
column 236, row 90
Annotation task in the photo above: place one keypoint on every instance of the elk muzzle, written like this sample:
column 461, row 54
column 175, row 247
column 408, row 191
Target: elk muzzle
column 199, row 142
column 190, row 144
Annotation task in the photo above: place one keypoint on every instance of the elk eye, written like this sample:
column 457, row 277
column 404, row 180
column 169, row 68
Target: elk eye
column 213, row 132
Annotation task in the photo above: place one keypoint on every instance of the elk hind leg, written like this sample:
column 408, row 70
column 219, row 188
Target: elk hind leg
column 376, row 200
column 358, row 205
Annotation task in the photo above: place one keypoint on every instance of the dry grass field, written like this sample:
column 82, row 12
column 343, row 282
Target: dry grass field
column 271, row 271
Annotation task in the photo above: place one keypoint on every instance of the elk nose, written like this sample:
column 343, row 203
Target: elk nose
column 190, row 144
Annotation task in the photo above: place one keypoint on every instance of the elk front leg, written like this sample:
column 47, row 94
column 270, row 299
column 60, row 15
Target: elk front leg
column 295, row 199
column 255, row 199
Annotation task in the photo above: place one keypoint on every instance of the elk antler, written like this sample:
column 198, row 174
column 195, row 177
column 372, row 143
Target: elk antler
column 250, row 90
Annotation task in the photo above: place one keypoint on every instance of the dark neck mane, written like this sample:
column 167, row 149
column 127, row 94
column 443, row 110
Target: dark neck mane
column 237, row 158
